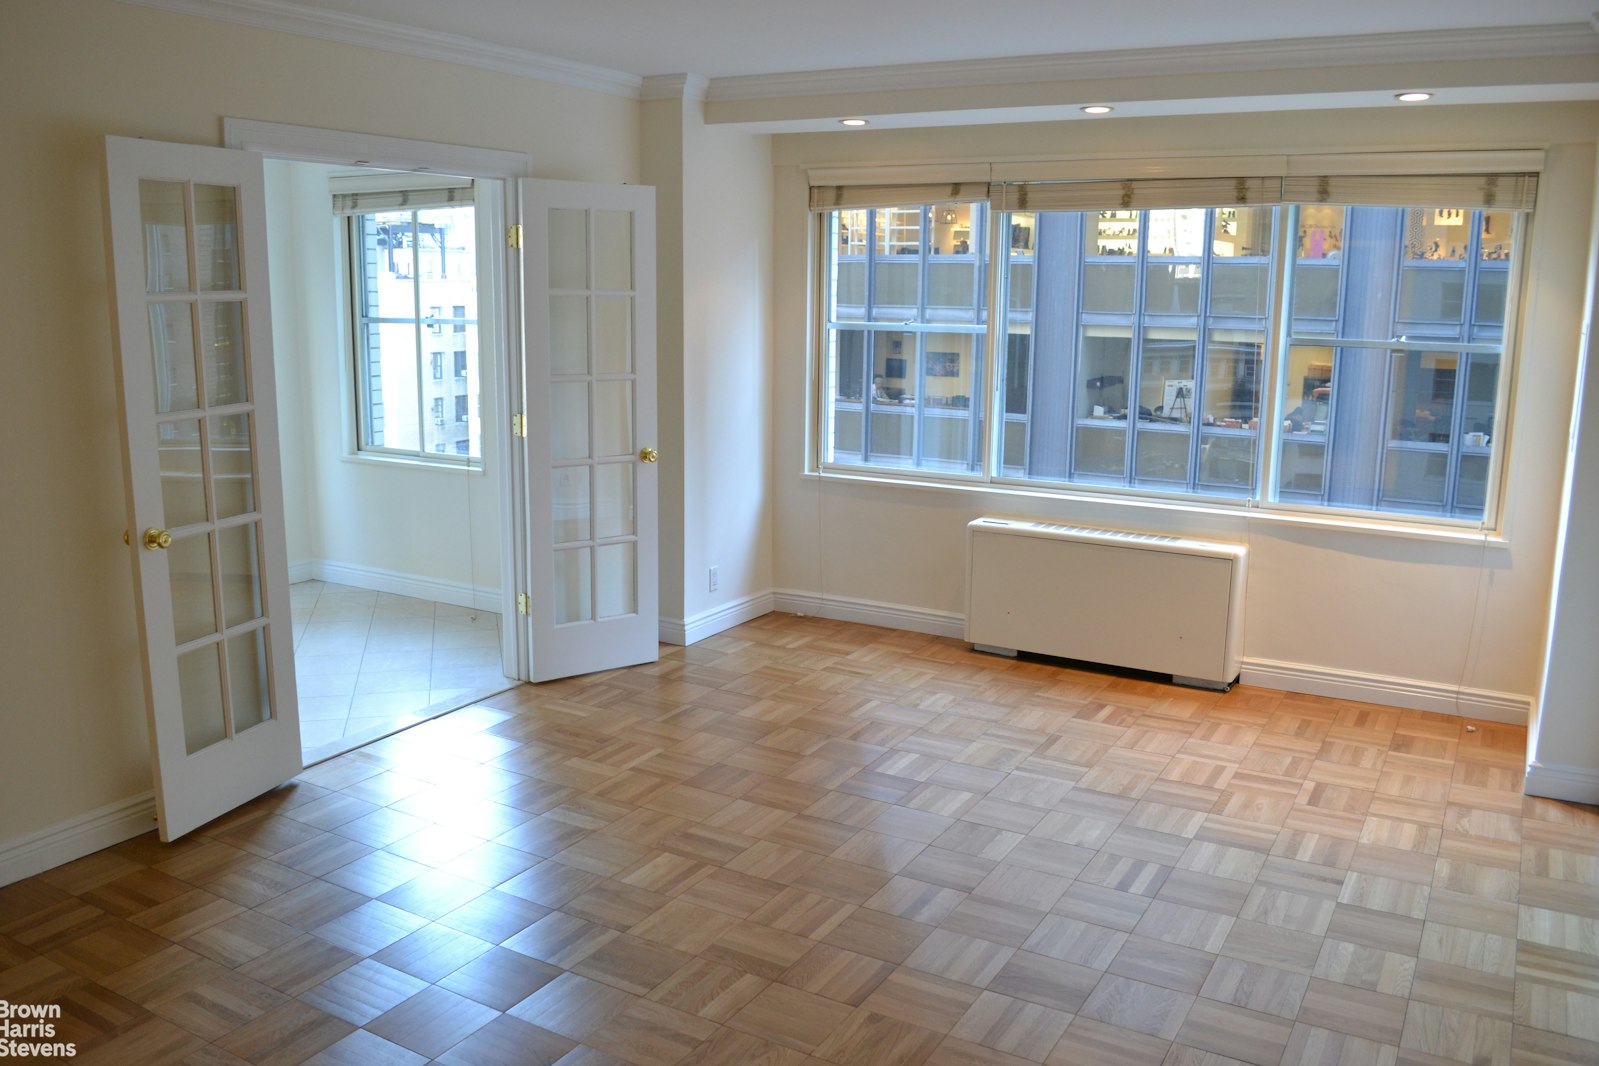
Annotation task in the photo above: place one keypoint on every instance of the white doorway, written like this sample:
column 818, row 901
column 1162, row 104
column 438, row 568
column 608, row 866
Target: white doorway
column 393, row 459
column 209, row 453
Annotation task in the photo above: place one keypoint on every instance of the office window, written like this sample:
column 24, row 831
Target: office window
column 906, row 337
column 1392, row 401
column 1136, row 341
column 402, row 261
column 1294, row 349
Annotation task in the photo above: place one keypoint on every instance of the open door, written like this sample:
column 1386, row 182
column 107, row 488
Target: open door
column 589, row 328
column 187, row 230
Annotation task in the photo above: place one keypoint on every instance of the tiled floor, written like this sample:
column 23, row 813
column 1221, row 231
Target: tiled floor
column 368, row 663
column 807, row 842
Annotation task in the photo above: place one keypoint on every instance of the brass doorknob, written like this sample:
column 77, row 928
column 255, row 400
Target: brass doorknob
column 648, row 455
column 157, row 539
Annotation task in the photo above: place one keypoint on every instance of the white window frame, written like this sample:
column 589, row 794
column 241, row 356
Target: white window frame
column 428, row 324
column 1262, row 500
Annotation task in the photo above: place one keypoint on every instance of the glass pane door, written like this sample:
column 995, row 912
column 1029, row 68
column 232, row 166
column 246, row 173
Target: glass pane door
column 591, row 328
column 189, row 265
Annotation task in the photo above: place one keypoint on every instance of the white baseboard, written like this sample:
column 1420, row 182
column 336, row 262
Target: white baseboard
column 1571, row 784
column 1408, row 692
column 456, row 593
column 870, row 612
column 709, row 623
column 83, row 835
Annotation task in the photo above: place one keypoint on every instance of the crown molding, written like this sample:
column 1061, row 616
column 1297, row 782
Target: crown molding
column 674, row 87
column 1564, row 39
column 306, row 21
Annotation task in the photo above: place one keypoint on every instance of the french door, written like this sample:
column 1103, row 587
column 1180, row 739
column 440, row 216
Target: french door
column 205, row 507
column 206, row 528
column 589, row 338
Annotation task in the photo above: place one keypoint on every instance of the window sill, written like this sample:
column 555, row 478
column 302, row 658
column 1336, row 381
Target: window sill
column 1393, row 526
column 472, row 468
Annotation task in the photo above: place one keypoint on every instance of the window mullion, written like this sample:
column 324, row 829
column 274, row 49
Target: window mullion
column 1135, row 352
column 1207, row 261
column 416, row 333
column 996, row 283
column 1279, row 328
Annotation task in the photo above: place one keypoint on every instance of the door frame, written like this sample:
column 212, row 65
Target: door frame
column 307, row 144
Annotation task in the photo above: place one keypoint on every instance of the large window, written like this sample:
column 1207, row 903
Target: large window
column 407, row 265
column 1285, row 351
column 906, row 336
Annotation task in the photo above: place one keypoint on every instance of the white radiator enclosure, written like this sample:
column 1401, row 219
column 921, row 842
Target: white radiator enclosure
column 1163, row 604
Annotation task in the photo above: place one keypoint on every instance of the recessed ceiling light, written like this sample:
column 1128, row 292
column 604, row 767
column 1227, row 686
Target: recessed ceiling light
column 1412, row 98
column 852, row 122
column 1097, row 109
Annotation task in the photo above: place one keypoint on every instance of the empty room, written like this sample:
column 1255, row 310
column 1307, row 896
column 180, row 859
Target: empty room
column 682, row 535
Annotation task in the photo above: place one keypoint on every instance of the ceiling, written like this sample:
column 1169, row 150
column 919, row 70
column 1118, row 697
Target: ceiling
column 804, row 66
column 724, row 38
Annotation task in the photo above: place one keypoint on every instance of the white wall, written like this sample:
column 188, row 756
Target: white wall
column 1564, row 755
column 71, row 71
column 714, row 224
column 661, row 155
column 727, row 268
column 431, row 531
column 1415, row 622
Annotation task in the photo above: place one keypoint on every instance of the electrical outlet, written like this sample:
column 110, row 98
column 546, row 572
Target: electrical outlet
column 713, row 579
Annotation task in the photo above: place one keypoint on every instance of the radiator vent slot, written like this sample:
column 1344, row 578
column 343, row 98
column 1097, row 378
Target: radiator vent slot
column 1170, row 605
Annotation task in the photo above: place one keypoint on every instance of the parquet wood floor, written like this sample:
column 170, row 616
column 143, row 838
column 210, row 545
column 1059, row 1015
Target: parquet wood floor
column 810, row 843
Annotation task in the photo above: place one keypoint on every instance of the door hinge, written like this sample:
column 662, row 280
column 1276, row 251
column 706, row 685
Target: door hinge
column 519, row 425
column 524, row 603
column 513, row 235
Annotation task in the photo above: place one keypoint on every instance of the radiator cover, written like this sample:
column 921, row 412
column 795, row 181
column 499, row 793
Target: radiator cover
column 1164, row 604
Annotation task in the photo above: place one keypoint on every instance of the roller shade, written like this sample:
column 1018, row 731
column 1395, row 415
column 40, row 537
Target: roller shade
column 1505, row 192
column 364, row 201
column 834, row 197
column 1136, row 194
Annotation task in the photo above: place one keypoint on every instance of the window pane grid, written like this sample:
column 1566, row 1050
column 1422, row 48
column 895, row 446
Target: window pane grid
column 413, row 276
column 905, row 338
column 1136, row 348
column 1399, row 434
